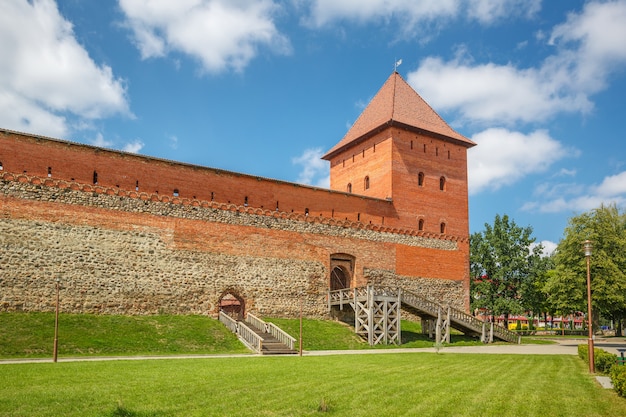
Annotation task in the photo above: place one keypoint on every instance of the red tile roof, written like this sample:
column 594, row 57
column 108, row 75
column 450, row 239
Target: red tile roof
column 396, row 103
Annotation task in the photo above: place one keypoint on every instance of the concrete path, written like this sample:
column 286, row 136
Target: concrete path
column 561, row 347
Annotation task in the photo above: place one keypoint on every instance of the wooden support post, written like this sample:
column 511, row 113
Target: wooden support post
column 438, row 328
column 448, row 326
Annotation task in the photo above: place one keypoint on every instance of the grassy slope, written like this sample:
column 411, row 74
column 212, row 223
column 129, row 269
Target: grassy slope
column 32, row 335
column 424, row 384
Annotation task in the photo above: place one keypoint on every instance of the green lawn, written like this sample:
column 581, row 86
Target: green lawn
column 32, row 335
column 392, row 384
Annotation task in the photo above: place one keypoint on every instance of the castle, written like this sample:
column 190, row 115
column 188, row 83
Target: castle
column 131, row 234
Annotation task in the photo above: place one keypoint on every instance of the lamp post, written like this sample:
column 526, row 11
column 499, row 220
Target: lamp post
column 56, row 326
column 300, row 341
column 587, row 248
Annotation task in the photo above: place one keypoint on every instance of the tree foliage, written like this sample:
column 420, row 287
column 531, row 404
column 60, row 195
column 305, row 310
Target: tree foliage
column 504, row 267
column 605, row 227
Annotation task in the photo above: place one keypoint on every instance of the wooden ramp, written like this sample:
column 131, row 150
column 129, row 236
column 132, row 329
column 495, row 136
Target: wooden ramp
column 377, row 316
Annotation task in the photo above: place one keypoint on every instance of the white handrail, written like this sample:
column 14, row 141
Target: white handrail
column 250, row 337
column 257, row 322
column 280, row 334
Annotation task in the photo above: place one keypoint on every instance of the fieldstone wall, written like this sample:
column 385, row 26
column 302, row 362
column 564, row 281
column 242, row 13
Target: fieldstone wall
column 445, row 292
column 108, row 263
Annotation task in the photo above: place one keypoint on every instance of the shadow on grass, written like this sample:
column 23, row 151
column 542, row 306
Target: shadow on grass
column 411, row 338
column 122, row 411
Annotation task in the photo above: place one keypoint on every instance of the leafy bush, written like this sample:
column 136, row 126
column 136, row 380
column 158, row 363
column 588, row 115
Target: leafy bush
column 603, row 360
column 583, row 352
column 618, row 378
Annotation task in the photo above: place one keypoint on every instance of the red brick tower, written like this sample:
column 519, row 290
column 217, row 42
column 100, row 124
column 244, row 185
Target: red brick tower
column 400, row 149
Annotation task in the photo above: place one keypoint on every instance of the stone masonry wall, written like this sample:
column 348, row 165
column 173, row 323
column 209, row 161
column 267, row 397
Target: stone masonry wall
column 120, row 254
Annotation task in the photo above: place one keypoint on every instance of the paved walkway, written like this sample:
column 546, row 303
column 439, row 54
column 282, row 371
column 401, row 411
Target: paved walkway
column 562, row 347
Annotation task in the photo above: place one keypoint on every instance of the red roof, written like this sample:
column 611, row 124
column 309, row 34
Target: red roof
column 397, row 103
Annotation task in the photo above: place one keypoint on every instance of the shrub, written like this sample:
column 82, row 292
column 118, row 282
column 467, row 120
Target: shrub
column 618, row 379
column 603, row 360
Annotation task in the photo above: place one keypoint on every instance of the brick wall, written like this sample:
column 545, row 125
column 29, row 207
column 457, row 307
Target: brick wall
column 130, row 244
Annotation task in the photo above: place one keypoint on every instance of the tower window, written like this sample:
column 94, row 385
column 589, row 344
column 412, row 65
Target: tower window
column 349, row 188
column 424, row 148
column 95, row 177
column 245, row 201
column 448, row 154
column 420, row 179
column 442, row 228
column 49, row 171
column 420, row 224
column 411, row 144
column 442, row 183
column 367, row 183
column 137, row 185
column 1, row 166
column 176, row 192
column 436, row 151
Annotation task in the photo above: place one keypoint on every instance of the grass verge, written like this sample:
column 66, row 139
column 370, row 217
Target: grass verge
column 394, row 384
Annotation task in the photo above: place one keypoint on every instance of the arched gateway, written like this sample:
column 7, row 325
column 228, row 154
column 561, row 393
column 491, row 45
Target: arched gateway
column 233, row 305
column 341, row 271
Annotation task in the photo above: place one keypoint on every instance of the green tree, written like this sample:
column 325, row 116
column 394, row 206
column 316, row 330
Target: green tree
column 502, row 262
column 606, row 228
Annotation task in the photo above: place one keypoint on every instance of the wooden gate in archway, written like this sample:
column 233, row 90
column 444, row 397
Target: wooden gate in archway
column 233, row 305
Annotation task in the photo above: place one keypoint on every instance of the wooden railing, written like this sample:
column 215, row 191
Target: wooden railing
column 250, row 337
column 424, row 305
column 228, row 321
column 256, row 322
column 272, row 329
column 246, row 334
column 280, row 334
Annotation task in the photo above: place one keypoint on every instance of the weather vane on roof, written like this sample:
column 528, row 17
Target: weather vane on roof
column 397, row 64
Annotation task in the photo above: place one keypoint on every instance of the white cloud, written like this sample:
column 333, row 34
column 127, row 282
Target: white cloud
column 503, row 157
column 577, row 198
column 101, row 142
column 315, row 170
column 490, row 11
column 411, row 14
column 221, row 34
column 588, row 50
column 596, row 39
column 133, row 147
column 46, row 76
column 548, row 247
column 323, row 12
column 488, row 93
column 614, row 185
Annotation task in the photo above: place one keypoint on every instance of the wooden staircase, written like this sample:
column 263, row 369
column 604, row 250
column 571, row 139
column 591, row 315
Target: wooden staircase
column 259, row 336
column 377, row 316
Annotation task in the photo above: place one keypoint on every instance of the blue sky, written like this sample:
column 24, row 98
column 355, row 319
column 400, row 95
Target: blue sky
column 265, row 87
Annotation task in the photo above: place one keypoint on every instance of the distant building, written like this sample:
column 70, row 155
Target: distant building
column 133, row 234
